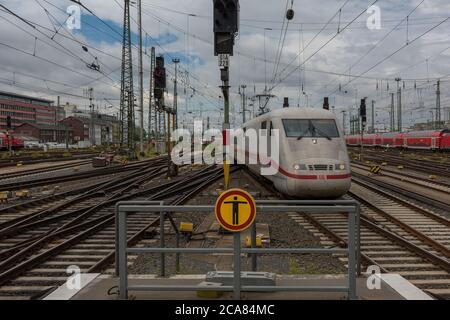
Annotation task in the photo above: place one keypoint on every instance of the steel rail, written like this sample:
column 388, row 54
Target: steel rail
column 109, row 258
column 407, row 193
column 406, row 227
column 43, row 170
column 13, row 162
column 337, row 239
column 93, row 191
column 185, row 184
column 83, row 212
column 76, row 176
column 406, row 175
column 429, row 168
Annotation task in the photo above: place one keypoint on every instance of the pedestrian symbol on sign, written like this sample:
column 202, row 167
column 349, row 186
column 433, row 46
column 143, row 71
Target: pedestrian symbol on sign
column 235, row 210
column 235, row 204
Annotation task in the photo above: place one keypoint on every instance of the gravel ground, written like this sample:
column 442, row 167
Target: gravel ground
column 284, row 233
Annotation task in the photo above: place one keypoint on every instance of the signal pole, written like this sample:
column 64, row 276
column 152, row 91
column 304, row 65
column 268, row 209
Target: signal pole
column 343, row 120
column 373, row 116
column 175, row 92
column 438, row 105
column 363, row 117
column 226, row 97
column 399, row 105
column 392, row 113
column 91, row 113
column 243, row 103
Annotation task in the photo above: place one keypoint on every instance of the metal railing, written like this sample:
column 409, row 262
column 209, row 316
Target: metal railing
column 351, row 208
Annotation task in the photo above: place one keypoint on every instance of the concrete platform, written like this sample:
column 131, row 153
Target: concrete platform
column 393, row 287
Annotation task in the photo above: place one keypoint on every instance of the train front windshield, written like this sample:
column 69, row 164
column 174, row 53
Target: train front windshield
column 310, row 128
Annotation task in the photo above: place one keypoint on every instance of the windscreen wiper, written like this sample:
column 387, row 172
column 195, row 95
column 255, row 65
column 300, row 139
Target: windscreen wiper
column 320, row 132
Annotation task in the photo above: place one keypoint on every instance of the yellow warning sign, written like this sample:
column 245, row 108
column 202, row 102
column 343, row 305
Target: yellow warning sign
column 376, row 169
column 235, row 210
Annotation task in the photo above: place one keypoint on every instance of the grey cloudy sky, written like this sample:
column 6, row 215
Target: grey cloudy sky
column 181, row 28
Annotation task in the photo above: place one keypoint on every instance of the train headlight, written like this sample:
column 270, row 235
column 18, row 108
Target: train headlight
column 340, row 166
column 299, row 166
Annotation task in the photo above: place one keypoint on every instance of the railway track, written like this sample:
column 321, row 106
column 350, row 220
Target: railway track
column 37, row 253
column 433, row 194
column 429, row 155
column 398, row 236
column 416, row 179
column 12, row 162
column 9, row 184
column 38, row 171
column 39, row 208
column 428, row 167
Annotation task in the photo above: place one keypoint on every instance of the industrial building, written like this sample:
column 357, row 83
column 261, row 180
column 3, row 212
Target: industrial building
column 25, row 109
column 42, row 120
column 46, row 133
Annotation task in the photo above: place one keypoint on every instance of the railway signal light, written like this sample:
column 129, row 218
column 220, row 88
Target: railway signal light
column 8, row 122
column 226, row 16
column 363, row 112
column 160, row 78
column 226, row 25
column 326, row 104
column 223, row 43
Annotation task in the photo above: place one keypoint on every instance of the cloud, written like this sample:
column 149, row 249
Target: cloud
column 166, row 24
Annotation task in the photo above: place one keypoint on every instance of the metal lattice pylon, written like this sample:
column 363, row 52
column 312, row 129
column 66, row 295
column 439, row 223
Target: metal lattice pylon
column 152, row 117
column 126, row 90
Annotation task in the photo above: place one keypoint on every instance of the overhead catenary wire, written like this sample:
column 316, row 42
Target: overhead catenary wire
column 261, row 59
column 394, row 53
column 281, row 41
column 320, row 48
column 337, row 74
column 304, row 23
column 315, row 37
column 383, row 38
column 61, row 48
column 151, row 38
column 99, row 50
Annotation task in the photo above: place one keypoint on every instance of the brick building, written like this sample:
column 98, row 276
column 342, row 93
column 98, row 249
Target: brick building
column 79, row 127
column 104, row 128
column 46, row 133
column 25, row 109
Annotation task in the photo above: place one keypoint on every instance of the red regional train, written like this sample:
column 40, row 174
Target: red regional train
column 425, row 140
column 16, row 143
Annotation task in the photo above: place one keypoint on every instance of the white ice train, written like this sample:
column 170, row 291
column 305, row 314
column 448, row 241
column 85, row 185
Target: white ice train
column 313, row 162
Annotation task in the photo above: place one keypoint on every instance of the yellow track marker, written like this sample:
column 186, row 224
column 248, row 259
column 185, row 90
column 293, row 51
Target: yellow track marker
column 248, row 242
column 186, row 227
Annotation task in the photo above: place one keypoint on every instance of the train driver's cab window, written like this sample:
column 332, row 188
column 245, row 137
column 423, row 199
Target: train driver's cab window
column 310, row 128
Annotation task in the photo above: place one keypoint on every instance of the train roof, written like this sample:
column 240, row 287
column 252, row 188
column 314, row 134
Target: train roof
column 296, row 113
column 303, row 113
column 429, row 133
column 390, row 134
